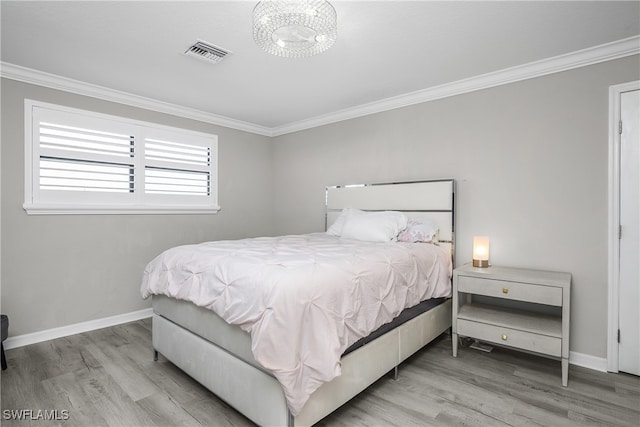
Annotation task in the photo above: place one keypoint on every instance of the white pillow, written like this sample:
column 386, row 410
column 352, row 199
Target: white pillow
column 373, row 226
column 335, row 229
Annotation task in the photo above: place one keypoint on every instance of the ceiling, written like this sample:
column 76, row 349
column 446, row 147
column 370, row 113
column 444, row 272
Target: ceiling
column 385, row 49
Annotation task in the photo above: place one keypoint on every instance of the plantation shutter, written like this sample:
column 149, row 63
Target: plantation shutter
column 177, row 168
column 79, row 159
column 84, row 162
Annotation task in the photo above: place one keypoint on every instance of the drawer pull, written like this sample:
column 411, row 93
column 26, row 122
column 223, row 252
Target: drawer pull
column 505, row 290
column 504, row 337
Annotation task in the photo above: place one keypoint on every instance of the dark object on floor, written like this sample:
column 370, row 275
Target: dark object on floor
column 5, row 331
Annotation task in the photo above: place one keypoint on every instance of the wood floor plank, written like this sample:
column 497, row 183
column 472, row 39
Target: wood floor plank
column 164, row 411
column 72, row 398
column 108, row 378
column 124, row 371
column 212, row 411
column 111, row 401
column 39, row 362
column 175, row 383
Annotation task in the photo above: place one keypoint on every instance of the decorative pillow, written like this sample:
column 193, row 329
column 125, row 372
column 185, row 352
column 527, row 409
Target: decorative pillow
column 335, row 229
column 373, row 226
column 419, row 230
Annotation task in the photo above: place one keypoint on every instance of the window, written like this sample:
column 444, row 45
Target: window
column 83, row 162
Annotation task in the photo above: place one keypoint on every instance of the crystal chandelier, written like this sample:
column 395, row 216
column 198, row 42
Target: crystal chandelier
column 294, row 29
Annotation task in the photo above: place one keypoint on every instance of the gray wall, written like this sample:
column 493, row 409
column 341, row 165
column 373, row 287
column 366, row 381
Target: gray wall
column 59, row 270
column 530, row 160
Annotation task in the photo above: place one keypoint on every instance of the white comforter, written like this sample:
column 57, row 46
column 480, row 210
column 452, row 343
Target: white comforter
column 304, row 298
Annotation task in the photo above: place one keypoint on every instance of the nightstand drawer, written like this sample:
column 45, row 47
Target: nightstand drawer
column 511, row 337
column 511, row 290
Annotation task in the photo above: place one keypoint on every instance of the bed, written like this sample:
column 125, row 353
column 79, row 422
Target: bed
column 256, row 375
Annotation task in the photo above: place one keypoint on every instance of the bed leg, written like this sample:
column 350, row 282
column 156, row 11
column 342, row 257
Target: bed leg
column 395, row 373
column 155, row 355
column 290, row 420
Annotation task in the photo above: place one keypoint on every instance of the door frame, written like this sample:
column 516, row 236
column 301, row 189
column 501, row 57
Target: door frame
column 615, row 93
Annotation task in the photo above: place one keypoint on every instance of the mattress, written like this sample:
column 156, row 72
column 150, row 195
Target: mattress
column 406, row 315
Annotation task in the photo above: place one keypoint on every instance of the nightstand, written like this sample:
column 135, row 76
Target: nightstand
column 480, row 311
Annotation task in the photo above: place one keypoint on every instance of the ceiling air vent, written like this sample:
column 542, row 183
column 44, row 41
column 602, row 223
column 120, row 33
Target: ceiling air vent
column 207, row 51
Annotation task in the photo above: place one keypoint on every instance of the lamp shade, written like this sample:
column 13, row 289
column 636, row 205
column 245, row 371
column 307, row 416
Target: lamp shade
column 481, row 251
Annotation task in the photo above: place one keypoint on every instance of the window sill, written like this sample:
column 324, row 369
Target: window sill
column 51, row 209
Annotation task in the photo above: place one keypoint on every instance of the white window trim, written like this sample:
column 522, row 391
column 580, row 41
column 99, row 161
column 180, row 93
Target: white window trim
column 33, row 206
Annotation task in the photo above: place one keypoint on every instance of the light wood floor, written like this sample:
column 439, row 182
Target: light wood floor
column 107, row 378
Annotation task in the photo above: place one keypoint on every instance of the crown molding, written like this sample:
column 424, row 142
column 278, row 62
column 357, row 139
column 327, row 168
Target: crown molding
column 593, row 55
column 53, row 81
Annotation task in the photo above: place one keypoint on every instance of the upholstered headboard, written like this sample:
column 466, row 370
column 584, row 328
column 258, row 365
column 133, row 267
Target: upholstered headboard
column 433, row 199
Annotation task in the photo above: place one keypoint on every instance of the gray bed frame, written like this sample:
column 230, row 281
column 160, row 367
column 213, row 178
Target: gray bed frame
column 218, row 355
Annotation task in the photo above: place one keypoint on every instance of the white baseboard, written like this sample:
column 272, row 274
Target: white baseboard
column 588, row 361
column 578, row 359
column 65, row 331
